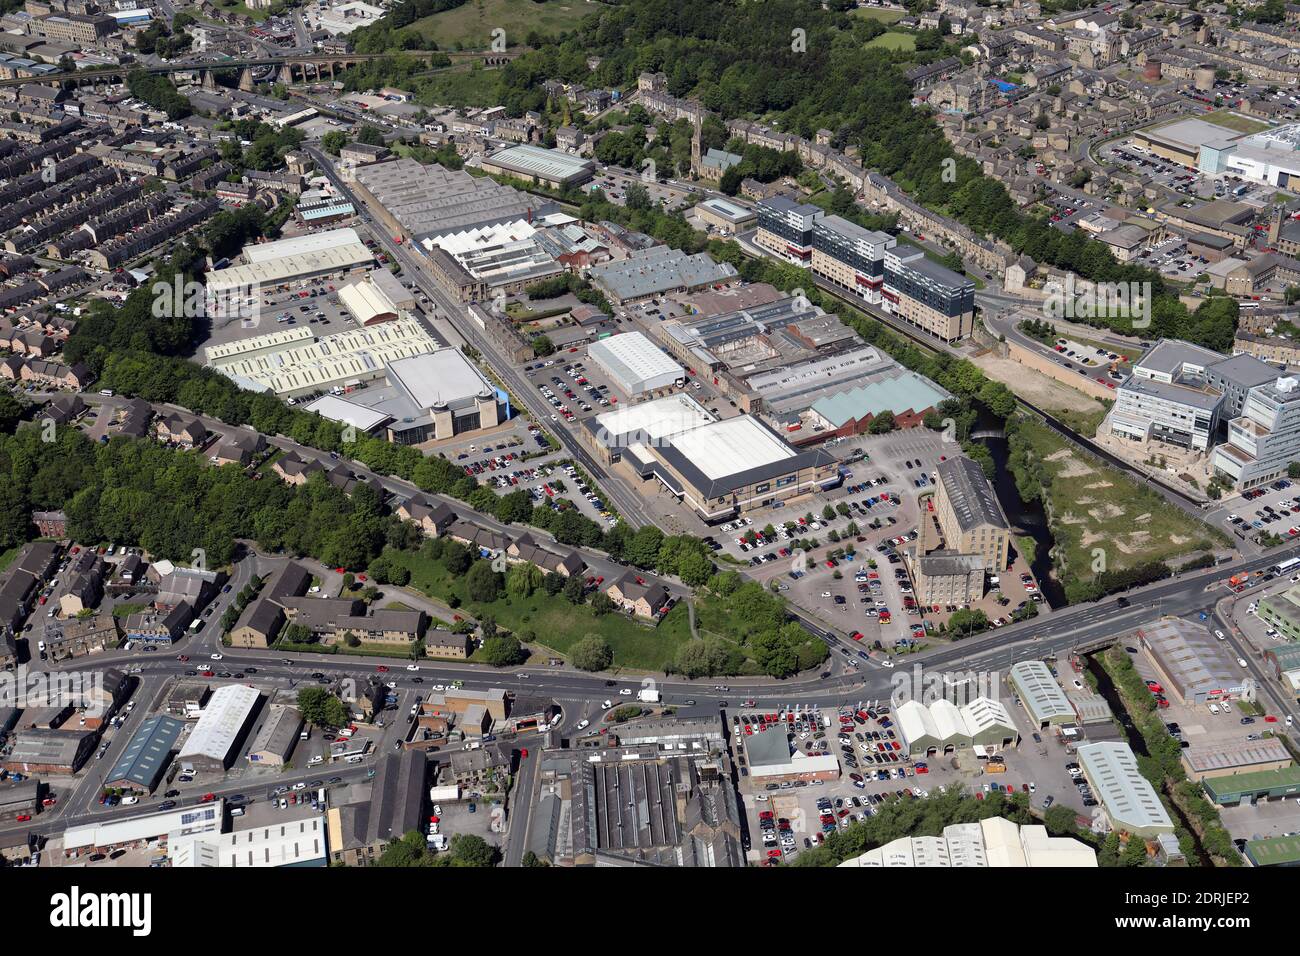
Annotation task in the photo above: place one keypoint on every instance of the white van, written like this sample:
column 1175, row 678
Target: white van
column 1214, row 708
column 1219, row 634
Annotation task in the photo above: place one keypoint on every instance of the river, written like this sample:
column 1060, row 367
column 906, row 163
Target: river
column 1028, row 519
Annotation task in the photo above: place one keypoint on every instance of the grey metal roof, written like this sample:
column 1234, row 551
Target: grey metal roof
column 148, row 753
column 970, row 494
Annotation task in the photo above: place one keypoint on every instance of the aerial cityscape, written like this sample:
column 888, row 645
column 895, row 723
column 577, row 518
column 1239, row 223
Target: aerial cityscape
column 576, row 433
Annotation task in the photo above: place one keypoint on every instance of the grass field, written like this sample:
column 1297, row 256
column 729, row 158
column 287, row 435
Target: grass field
column 1094, row 506
column 1232, row 121
column 6, row 557
column 471, row 25
column 884, row 16
column 893, row 40
column 559, row 625
column 1085, row 423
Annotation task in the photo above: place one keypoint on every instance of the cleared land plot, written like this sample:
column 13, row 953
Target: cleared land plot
column 1094, row 506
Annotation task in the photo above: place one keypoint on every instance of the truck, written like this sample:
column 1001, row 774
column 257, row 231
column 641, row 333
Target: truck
column 648, row 696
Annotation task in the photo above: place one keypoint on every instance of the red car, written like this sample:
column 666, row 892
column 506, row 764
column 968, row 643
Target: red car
column 856, row 635
column 523, row 753
column 183, row 658
column 772, row 854
column 382, row 668
column 207, row 798
column 206, row 674
column 339, row 571
column 23, row 817
column 1270, row 719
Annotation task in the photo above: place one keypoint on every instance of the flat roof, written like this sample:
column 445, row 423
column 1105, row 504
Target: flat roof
column 727, row 210
column 730, row 446
column 443, row 376
column 284, row 268
column 204, row 818
column 652, row 421
column 314, row 242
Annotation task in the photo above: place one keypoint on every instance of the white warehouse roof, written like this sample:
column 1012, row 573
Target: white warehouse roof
column 635, row 363
column 732, row 446
column 992, row 842
column 312, row 243
column 654, row 421
column 222, row 720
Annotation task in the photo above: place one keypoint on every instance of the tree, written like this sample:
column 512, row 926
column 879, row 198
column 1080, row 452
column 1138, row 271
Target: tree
column 574, row 591
column 504, row 650
column 601, row 603
column 334, row 141
column 482, row 584
column 882, row 423
column 321, row 708
column 591, row 653
column 543, row 346
column 523, row 579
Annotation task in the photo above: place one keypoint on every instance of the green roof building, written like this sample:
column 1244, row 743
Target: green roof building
column 1258, row 785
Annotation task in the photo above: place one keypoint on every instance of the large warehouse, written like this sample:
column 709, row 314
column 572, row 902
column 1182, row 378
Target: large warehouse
column 993, row 841
column 428, row 397
column 1043, row 698
column 717, row 467
column 146, row 757
column 550, row 167
column 635, row 364
column 294, row 363
column 1194, row 666
column 235, row 290
column 213, row 744
column 943, row 727
column 1130, row 801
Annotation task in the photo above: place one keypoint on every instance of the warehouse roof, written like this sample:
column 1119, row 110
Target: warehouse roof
column 312, row 243
column 905, row 392
column 205, row 818
column 352, row 413
column 632, row 358
column 223, row 718
column 1129, row 799
column 1193, row 661
column 147, row 754
column 552, row 164
column 366, row 301
column 1040, row 691
column 650, row 422
column 659, row 269
column 722, row 456
column 271, row 271
column 444, row 376
column 278, row 732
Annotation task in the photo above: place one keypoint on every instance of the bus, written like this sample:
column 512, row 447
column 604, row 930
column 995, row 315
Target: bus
column 1286, row 567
